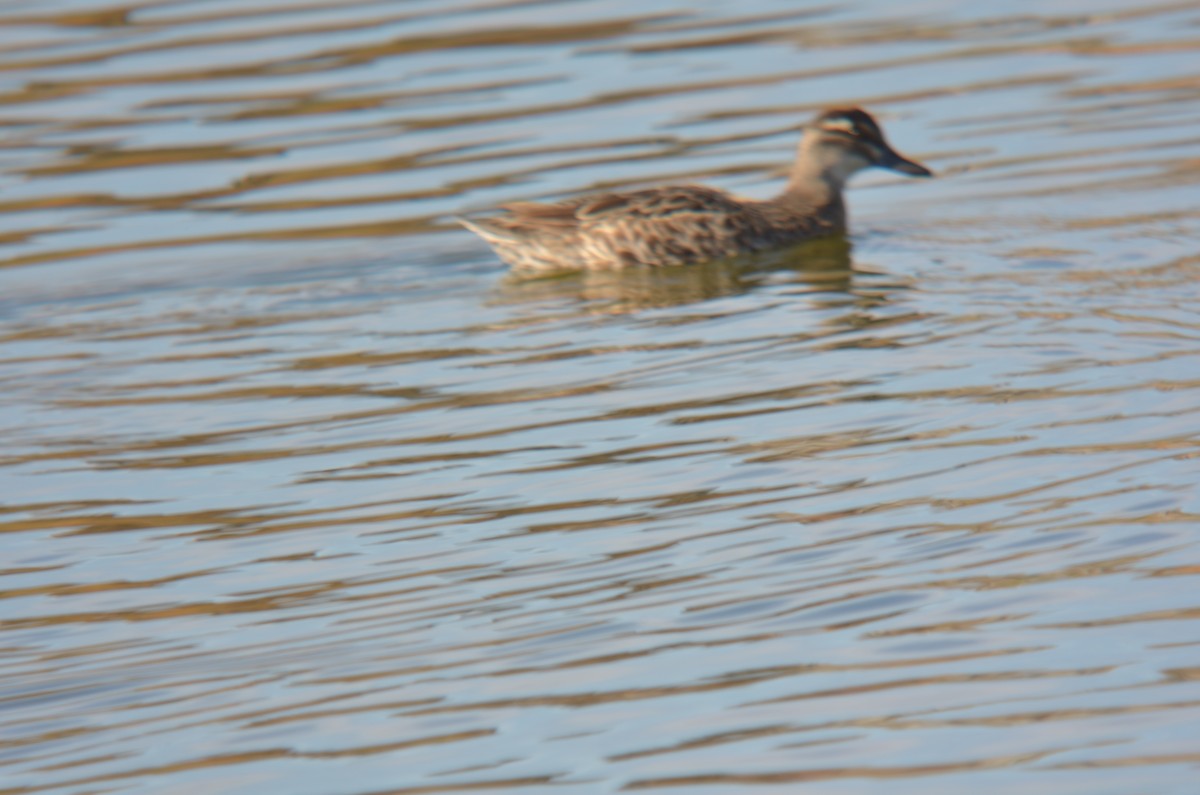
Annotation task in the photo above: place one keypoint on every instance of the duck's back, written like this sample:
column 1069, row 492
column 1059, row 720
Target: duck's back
column 659, row 226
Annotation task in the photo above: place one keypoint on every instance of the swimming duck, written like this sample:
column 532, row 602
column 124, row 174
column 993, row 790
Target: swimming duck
column 683, row 224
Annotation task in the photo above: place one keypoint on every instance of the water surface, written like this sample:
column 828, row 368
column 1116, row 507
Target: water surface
column 301, row 494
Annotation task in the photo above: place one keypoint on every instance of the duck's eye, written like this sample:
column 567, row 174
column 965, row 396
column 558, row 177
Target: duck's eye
column 839, row 125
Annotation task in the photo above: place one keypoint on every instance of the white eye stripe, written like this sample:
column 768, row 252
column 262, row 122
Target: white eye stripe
column 839, row 125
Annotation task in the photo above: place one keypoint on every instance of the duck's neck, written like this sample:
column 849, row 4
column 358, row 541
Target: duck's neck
column 815, row 185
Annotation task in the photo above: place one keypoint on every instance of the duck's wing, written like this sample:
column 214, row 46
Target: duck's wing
column 676, row 203
column 536, row 214
column 657, row 226
column 522, row 220
column 654, row 205
column 670, row 226
column 651, row 204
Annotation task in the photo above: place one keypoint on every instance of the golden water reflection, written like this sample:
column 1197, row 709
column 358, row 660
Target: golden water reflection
column 295, row 477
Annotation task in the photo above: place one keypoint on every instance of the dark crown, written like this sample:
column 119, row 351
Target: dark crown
column 851, row 121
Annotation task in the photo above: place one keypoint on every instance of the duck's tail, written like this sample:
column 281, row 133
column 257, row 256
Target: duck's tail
column 489, row 230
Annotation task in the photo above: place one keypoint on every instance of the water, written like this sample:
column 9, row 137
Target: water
column 301, row 494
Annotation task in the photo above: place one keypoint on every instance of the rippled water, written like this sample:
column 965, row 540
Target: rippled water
column 301, row 494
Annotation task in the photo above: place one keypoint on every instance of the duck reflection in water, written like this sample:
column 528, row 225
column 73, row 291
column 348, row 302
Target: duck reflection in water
column 686, row 225
column 817, row 267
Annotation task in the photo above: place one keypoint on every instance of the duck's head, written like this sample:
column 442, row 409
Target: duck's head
column 844, row 141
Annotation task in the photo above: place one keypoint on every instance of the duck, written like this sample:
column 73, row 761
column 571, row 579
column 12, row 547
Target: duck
column 687, row 224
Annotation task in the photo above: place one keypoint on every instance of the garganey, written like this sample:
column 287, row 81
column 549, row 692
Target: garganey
column 678, row 225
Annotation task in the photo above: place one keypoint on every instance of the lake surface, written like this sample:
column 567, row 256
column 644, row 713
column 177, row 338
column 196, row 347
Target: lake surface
column 300, row 493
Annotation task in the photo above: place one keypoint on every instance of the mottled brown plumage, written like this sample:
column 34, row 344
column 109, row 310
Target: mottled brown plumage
column 678, row 225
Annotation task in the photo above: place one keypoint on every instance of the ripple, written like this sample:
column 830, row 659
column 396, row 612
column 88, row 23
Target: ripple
column 295, row 476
